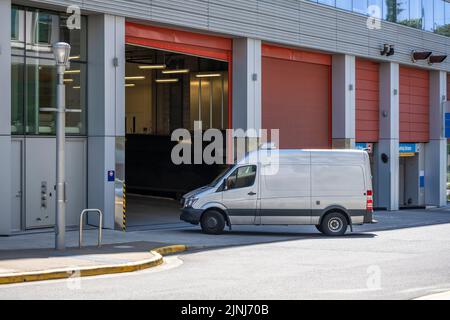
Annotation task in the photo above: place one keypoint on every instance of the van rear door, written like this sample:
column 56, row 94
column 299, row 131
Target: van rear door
column 339, row 186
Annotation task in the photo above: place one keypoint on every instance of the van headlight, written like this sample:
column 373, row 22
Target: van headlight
column 190, row 202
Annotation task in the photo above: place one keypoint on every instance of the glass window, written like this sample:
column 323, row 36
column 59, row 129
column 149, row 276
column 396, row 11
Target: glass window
column 439, row 14
column 376, row 8
column 344, row 4
column 33, row 78
column 428, row 15
column 76, row 37
column 40, row 93
column 360, row 6
column 390, row 10
column 75, row 80
column 17, row 95
column 415, row 14
column 402, row 9
column 17, row 31
column 442, row 20
column 243, row 177
column 41, row 32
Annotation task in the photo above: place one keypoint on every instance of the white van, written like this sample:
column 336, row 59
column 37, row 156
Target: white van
column 331, row 189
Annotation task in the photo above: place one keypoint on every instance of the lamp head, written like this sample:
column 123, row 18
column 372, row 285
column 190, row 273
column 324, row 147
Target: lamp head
column 61, row 50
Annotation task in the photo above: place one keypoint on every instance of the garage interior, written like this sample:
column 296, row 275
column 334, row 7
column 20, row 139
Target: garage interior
column 166, row 91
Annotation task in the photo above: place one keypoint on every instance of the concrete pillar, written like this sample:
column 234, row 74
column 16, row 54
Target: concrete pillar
column 344, row 101
column 388, row 158
column 5, row 118
column 106, row 115
column 247, row 86
column 436, row 149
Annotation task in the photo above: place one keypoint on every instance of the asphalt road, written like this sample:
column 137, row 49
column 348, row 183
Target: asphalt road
column 392, row 264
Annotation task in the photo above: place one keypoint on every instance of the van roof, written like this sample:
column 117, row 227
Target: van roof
column 300, row 155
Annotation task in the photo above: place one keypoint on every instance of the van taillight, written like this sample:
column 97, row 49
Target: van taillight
column 369, row 205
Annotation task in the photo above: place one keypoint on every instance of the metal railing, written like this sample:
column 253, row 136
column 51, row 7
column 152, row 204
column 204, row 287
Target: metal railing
column 100, row 214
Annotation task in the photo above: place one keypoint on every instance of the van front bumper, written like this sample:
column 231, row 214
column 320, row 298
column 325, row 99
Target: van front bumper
column 191, row 215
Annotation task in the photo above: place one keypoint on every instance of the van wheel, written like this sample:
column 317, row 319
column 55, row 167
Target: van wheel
column 213, row 222
column 334, row 224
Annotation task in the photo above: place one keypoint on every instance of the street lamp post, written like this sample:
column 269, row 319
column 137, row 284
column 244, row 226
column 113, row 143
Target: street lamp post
column 61, row 51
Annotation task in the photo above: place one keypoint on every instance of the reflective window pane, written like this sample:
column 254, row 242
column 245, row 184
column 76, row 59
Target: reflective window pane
column 41, row 93
column 360, row 6
column 390, row 10
column 75, row 81
column 415, row 14
column 439, row 13
column 33, row 78
column 17, row 31
column 445, row 29
column 17, row 95
column 76, row 37
column 41, row 32
column 428, row 15
column 344, row 4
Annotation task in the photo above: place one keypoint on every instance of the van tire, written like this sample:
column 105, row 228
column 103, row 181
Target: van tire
column 334, row 224
column 212, row 222
column 319, row 228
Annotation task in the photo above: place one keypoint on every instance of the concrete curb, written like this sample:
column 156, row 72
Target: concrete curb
column 65, row 273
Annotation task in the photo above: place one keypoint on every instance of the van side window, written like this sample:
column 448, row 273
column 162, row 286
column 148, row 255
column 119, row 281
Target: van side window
column 243, row 177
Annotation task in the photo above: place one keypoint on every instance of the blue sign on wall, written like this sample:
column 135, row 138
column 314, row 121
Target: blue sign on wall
column 362, row 146
column 447, row 125
column 408, row 148
column 111, row 176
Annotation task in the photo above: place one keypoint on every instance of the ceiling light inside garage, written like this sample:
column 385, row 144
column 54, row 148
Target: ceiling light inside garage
column 178, row 71
column 167, row 80
column 153, row 67
column 209, row 75
column 135, row 78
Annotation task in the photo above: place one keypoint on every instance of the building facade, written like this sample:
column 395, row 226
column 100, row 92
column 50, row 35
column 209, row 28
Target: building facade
column 328, row 74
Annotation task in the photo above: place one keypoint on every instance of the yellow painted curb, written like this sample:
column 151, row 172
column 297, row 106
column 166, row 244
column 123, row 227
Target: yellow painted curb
column 92, row 271
column 171, row 249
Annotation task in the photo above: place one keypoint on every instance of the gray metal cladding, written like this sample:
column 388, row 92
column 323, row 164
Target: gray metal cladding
column 290, row 22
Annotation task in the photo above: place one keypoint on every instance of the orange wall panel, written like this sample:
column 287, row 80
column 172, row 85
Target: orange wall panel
column 296, row 100
column 367, row 101
column 179, row 41
column 414, row 105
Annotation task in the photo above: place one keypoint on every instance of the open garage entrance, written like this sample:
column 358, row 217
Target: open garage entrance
column 173, row 79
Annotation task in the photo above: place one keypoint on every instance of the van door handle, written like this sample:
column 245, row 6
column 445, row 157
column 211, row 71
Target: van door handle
column 252, row 193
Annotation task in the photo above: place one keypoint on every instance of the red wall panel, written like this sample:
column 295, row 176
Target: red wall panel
column 414, row 105
column 296, row 100
column 271, row 51
column 179, row 41
column 367, row 101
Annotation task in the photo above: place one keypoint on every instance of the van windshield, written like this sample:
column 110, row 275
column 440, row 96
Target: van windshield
column 221, row 176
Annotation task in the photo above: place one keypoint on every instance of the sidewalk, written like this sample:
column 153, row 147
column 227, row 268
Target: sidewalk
column 445, row 296
column 46, row 264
